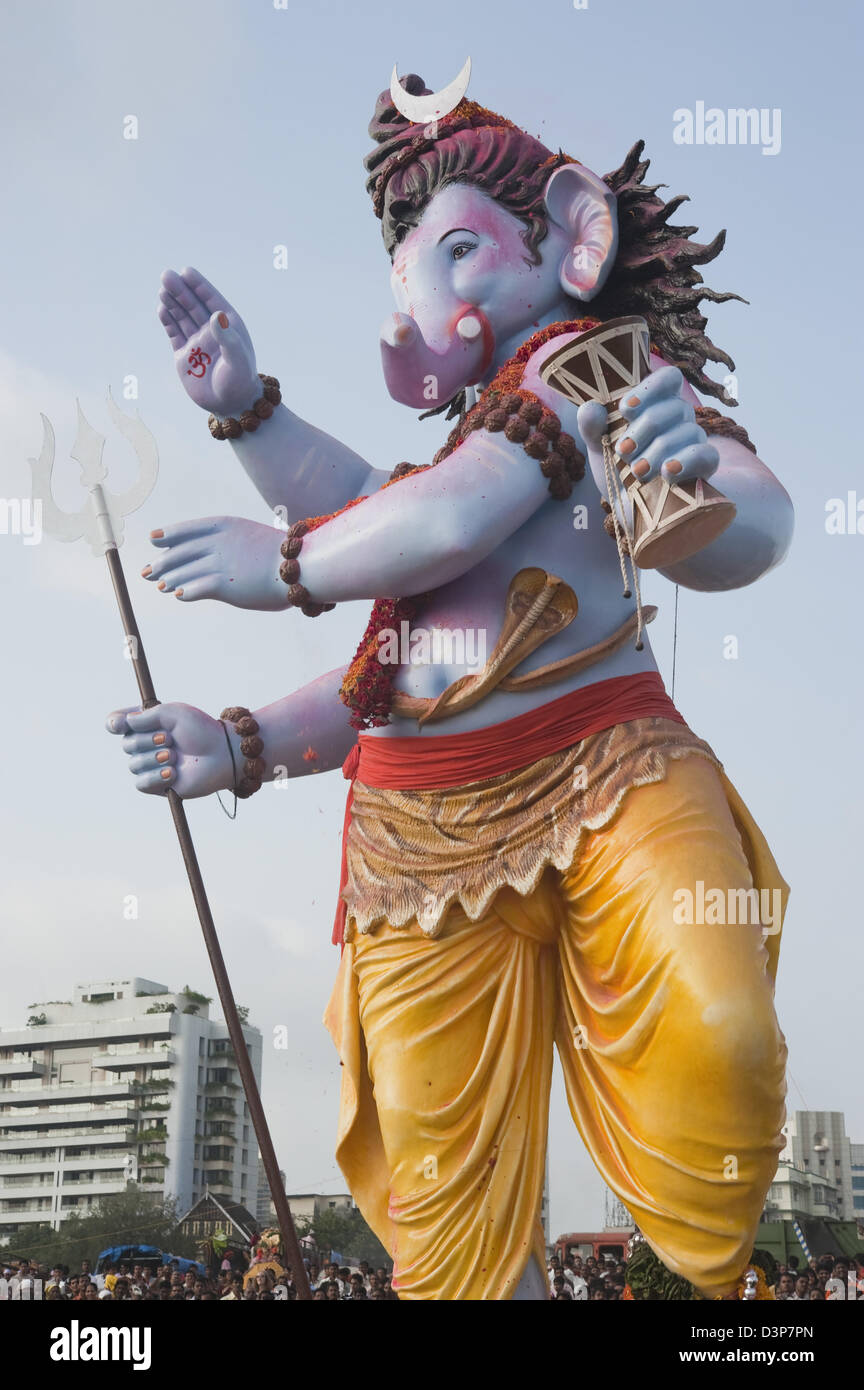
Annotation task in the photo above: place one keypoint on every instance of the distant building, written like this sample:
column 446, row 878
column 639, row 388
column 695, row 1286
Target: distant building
column 856, row 1154
column 796, row 1193
column 544, row 1203
column 127, row 1081
column 616, row 1217
column 816, row 1142
column 211, row 1217
column 265, row 1213
column 308, row 1205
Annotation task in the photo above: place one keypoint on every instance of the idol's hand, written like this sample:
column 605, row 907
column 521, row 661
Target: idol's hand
column 213, row 352
column 174, row 746
column 220, row 557
column 663, row 438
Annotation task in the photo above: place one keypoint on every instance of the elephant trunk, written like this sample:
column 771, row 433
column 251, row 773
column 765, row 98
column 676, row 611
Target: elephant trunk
column 422, row 377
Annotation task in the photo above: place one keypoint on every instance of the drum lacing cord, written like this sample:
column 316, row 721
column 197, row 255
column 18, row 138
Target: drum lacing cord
column 616, row 495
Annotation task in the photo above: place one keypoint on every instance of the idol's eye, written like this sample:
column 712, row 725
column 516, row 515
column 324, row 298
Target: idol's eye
column 461, row 249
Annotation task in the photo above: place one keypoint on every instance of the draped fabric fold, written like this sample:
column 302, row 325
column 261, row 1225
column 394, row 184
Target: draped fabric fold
column 672, row 1057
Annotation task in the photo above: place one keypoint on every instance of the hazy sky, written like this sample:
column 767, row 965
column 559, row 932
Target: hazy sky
column 252, row 128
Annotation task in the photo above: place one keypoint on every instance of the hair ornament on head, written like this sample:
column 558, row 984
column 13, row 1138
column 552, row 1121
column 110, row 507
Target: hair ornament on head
column 407, row 126
column 429, row 106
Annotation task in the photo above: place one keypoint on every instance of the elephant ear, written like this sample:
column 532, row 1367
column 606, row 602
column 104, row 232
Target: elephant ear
column 584, row 206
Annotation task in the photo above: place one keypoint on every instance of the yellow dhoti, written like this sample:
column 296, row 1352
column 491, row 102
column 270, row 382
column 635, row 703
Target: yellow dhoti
column 672, row 1056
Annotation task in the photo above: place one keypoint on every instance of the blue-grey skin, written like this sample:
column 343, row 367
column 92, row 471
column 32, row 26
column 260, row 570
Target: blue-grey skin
column 460, row 530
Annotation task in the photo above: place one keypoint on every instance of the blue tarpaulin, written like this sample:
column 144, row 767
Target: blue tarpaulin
column 117, row 1254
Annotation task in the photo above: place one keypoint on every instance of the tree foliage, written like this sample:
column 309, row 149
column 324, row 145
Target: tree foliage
column 343, row 1230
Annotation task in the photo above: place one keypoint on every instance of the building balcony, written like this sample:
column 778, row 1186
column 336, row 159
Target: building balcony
column 102, row 1181
column 23, row 1068
column 23, row 1220
column 38, row 1144
column 91, row 1029
column 33, row 1205
column 21, row 1163
column 97, row 1090
column 27, row 1189
column 59, row 1117
column 18, row 1165
column 130, row 1061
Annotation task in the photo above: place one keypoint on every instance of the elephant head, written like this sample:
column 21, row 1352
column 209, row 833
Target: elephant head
column 472, row 279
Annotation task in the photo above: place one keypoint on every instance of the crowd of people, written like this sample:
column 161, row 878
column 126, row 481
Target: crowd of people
column 823, row 1277
column 236, row 1280
column 240, row 1278
column 591, row 1279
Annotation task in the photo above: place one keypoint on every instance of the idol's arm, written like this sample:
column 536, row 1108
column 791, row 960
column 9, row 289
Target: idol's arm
column 181, row 747
column 758, row 538
column 306, row 731
column 427, row 530
column 300, row 470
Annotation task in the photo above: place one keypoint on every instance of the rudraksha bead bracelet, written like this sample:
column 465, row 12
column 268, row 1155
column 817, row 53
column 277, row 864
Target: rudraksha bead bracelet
column 289, row 573
column 251, row 746
column 248, row 422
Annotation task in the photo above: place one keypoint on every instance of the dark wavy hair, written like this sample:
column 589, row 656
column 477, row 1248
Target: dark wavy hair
column 654, row 274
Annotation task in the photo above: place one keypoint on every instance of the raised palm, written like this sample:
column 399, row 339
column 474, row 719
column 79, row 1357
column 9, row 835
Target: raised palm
column 213, row 352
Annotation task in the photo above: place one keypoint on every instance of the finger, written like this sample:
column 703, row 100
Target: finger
column 226, row 337
column 166, row 536
column 213, row 300
column 155, row 720
column 206, row 586
column 145, row 743
column 665, row 446
column 166, row 318
column 205, row 292
column 175, row 556
column 178, row 575
column 696, row 461
column 592, row 422
column 155, row 781
column 654, row 420
column 667, row 381
column 185, row 321
column 177, row 286
column 116, row 723
column 156, row 758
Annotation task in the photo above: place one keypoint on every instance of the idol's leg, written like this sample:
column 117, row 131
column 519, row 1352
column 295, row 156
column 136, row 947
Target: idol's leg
column 673, row 1059
column 458, row 1034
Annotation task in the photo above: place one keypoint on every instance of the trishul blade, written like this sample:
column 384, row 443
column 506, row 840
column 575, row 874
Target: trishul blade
column 100, row 521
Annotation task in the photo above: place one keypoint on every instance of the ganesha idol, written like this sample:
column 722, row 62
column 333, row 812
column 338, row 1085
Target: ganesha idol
column 518, row 826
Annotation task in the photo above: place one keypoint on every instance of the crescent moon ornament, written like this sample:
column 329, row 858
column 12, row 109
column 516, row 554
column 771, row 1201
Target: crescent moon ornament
column 425, row 109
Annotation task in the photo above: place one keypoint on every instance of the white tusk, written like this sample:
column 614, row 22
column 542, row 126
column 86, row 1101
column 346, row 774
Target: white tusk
column 469, row 328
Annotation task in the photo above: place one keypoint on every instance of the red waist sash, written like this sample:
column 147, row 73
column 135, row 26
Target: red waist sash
column 453, row 760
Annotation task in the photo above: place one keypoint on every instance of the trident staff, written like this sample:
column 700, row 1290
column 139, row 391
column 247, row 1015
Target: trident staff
column 100, row 521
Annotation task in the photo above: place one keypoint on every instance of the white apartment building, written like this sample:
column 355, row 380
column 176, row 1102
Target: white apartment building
column 795, row 1192
column 305, row 1206
column 816, row 1141
column 127, row 1081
